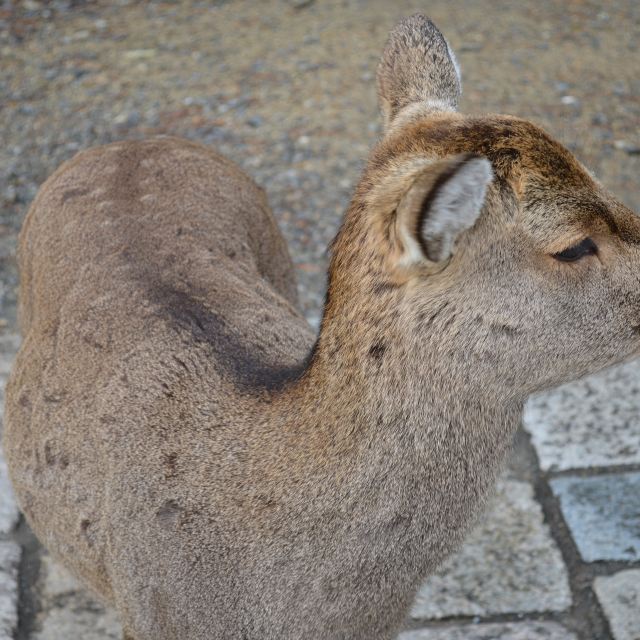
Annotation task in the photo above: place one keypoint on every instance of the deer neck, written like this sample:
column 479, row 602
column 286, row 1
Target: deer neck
column 388, row 407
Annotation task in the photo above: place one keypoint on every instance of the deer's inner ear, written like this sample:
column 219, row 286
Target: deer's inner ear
column 441, row 203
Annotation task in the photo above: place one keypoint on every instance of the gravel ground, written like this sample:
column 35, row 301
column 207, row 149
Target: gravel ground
column 287, row 90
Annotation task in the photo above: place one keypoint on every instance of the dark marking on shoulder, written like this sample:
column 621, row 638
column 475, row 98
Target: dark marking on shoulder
column 449, row 321
column 73, row 193
column 169, row 514
column 265, row 501
column 377, row 350
column 166, row 390
column 505, row 329
column 181, row 363
column 54, row 457
column 87, row 532
column 170, row 462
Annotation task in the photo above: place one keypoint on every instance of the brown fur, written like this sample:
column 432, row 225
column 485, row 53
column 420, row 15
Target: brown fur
column 174, row 438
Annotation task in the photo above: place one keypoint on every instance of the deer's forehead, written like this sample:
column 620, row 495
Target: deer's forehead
column 517, row 149
column 548, row 211
column 562, row 214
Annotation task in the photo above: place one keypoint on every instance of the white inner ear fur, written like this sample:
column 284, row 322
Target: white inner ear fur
column 455, row 207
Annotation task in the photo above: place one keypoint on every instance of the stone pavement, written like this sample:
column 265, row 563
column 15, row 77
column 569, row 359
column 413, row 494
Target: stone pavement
column 557, row 555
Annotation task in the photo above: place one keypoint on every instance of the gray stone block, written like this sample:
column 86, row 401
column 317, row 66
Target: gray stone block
column 594, row 422
column 9, row 513
column 603, row 514
column 9, row 345
column 619, row 596
column 509, row 564
column 9, row 561
column 529, row 630
column 70, row 611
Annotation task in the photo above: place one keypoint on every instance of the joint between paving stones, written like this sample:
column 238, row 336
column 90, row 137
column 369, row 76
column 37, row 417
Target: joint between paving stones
column 585, row 616
column 29, row 571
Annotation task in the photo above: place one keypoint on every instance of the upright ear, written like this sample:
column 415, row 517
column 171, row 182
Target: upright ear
column 441, row 202
column 417, row 68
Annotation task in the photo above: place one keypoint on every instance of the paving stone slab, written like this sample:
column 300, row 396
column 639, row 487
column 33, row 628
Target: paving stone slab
column 9, row 513
column 530, row 630
column 509, row 564
column 619, row 596
column 594, row 422
column 70, row 611
column 603, row 514
column 9, row 563
column 9, row 345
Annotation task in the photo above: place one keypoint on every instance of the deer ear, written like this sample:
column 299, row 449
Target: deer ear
column 442, row 202
column 418, row 71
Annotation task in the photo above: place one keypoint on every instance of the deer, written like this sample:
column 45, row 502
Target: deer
column 179, row 437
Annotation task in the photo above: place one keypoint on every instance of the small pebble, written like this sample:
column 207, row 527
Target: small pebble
column 624, row 145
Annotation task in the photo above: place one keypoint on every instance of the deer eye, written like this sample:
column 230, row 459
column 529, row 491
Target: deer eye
column 585, row 248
